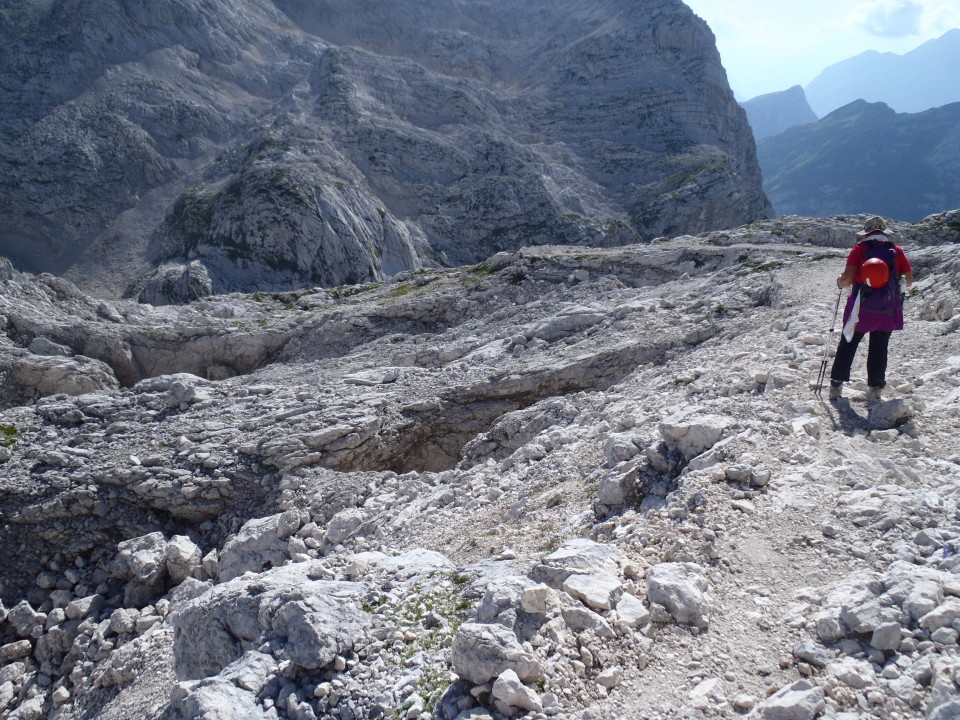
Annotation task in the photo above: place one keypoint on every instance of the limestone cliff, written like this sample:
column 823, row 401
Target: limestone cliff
column 290, row 143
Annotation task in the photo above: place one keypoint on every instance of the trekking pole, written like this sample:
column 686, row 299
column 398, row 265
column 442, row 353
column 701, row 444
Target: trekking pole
column 826, row 348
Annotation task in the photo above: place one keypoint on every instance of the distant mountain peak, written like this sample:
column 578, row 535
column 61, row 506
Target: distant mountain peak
column 918, row 80
column 772, row 113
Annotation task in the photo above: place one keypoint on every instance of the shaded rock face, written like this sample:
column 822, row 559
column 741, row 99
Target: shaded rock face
column 292, row 143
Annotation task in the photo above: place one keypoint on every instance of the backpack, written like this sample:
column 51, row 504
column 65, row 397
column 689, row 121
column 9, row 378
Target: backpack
column 882, row 302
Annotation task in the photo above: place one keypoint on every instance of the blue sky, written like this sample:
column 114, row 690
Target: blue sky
column 770, row 45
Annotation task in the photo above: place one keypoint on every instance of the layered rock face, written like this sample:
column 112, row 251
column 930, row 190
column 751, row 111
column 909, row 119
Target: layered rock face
column 290, row 143
column 561, row 483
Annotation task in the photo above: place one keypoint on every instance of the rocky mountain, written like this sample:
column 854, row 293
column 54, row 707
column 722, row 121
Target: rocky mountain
column 285, row 144
column 773, row 113
column 564, row 482
column 866, row 158
column 910, row 83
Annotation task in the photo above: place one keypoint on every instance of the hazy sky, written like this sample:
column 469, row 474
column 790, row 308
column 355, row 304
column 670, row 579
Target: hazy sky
column 771, row 45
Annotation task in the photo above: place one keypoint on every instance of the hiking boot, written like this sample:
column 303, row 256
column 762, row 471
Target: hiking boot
column 872, row 393
column 836, row 390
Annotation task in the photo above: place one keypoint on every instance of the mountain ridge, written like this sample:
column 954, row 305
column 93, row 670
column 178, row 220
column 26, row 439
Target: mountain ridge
column 865, row 157
column 912, row 82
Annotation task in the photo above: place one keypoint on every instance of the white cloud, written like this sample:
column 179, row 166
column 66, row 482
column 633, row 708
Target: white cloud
column 898, row 18
column 770, row 45
column 938, row 17
column 905, row 18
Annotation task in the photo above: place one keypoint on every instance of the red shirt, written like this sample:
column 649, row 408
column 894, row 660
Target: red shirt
column 856, row 259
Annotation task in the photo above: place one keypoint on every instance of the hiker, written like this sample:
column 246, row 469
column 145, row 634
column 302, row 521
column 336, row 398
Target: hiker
column 875, row 268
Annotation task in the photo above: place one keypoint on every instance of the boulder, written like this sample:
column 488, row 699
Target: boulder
column 577, row 556
column 538, row 599
column 599, row 591
column 945, row 615
column 183, row 558
column 342, row 525
column 798, row 701
column 632, row 611
column 144, row 557
column 483, row 652
column 681, row 588
column 259, row 544
column 509, row 693
column 213, row 700
column 315, row 620
column 691, row 433
column 177, row 284
column 49, row 375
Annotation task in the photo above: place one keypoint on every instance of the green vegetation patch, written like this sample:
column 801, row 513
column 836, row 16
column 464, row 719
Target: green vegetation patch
column 8, row 435
column 433, row 613
column 344, row 292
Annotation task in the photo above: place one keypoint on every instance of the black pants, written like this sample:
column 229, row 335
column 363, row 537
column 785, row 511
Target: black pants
column 876, row 358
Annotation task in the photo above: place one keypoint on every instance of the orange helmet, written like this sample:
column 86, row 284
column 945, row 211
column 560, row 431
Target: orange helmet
column 875, row 273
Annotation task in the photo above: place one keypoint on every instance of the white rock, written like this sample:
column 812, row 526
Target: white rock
column 213, row 700
column 619, row 448
column 145, row 556
column 7, row 694
column 852, row 673
column 512, row 693
column 632, row 611
column 16, row 650
column 692, row 433
column 950, row 710
column 315, row 620
column 609, row 678
column 482, row 652
column 579, row 618
column 798, row 701
column 60, row 696
column 342, row 525
column 577, row 556
column 82, row 607
column 123, row 620
column 597, row 590
column 945, row 615
column 31, row 709
column 25, row 620
column 183, row 558
column 538, row 599
column 258, row 545
column 886, row 636
column 681, row 588
column 923, row 598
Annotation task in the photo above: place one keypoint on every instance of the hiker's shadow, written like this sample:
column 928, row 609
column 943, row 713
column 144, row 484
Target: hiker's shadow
column 844, row 417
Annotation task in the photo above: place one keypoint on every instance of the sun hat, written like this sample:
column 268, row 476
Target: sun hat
column 876, row 224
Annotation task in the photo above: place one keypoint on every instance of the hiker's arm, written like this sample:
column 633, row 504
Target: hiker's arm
column 909, row 278
column 846, row 280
